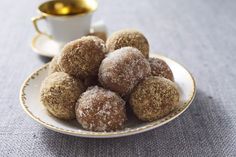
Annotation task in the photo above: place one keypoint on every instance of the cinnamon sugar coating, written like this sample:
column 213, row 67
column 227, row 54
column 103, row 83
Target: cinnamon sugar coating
column 128, row 37
column 59, row 93
column 160, row 68
column 82, row 57
column 122, row 69
column 154, row 98
column 99, row 110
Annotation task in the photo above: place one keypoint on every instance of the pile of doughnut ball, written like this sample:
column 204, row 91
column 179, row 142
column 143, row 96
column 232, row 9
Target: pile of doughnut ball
column 96, row 81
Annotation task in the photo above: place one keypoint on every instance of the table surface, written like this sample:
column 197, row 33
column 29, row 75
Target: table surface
column 200, row 34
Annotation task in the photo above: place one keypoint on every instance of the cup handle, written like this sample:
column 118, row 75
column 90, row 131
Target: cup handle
column 35, row 24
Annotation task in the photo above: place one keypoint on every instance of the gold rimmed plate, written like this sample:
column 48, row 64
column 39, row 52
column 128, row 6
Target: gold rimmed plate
column 30, row 101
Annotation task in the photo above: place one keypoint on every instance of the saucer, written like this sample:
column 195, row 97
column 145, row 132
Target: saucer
column 46, row 46
column 30, row 101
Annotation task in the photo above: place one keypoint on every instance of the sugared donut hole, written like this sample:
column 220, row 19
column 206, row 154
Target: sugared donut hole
column 154, row 98
column 122, row 69
column 128, row 37
column 99, row 109
column 59, row 93
column 160, row 68
column 81, row 58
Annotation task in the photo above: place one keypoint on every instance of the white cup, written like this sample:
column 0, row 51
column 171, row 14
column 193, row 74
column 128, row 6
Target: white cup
column 66, row 20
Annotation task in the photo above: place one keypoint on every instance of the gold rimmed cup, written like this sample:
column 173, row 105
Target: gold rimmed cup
column 66, row 19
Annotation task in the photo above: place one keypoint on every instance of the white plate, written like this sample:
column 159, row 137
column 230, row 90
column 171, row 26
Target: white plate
column 30, row 101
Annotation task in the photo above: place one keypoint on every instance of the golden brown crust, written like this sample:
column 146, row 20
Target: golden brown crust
column 154, row 98
column 99, row 109
column 128, row 37
column 81, row 58
column 122, row 69
column 59, row 93
column 160, row 68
